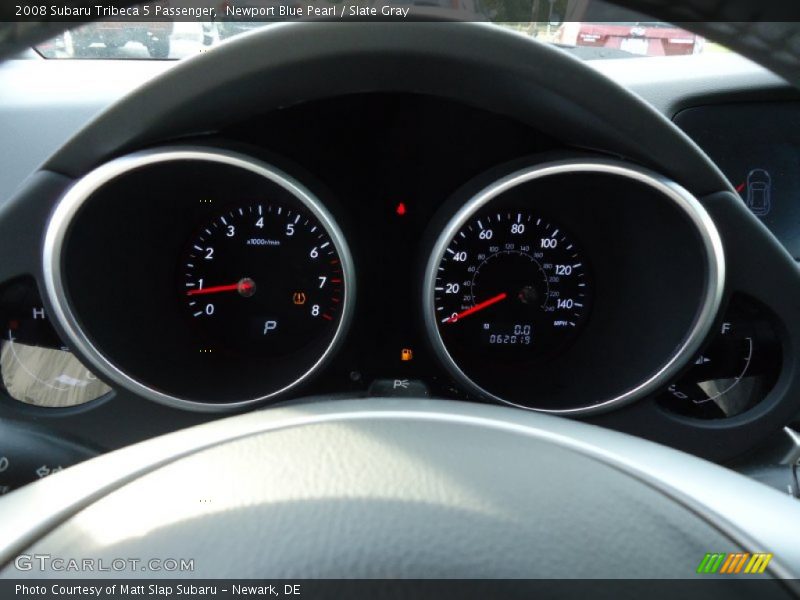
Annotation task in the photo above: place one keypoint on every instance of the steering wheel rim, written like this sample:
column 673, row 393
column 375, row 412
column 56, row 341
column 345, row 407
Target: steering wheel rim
column 77, row 512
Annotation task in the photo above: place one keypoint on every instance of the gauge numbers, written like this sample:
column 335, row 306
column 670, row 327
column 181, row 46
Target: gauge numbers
column 263, row 277
column 510, row 288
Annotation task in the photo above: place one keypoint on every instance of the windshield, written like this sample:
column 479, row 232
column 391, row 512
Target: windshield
column 589, row 29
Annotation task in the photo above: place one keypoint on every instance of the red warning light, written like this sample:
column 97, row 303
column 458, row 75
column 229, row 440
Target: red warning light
column 401, row 209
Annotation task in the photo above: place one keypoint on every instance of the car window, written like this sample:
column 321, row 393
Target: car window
column 589, row 29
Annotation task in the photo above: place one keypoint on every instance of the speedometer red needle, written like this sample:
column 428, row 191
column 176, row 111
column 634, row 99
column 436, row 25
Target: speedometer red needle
column 477, row 307
column 234, row 287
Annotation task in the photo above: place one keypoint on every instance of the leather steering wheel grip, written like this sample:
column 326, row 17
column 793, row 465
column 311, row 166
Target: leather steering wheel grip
column 394, row 488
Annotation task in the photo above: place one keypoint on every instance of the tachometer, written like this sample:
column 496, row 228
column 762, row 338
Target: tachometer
column 240, row 289
column 511, row 288
column 265, row 278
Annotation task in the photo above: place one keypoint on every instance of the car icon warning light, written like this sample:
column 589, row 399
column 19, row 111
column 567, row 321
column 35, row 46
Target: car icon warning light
column 759, row 192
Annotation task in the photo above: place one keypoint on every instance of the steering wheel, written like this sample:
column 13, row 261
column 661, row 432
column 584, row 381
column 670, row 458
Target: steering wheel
column 410, row 488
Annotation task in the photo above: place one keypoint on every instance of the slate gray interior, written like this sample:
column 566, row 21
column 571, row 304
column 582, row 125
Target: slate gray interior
column 339, row 476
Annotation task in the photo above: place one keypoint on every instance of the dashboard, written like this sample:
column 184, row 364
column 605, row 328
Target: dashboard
column 759, row 155
column 377, row 245
column 248, row 284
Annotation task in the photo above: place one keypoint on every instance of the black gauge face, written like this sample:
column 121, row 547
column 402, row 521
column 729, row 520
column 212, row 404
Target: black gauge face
column 263, row 278
column 244, row 279
column 511, row 288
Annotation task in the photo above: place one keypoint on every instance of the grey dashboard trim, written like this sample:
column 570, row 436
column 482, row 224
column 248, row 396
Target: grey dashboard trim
column 42, row 103
column 672, row 83
column 71, row 203
column 686, row 202
column 756, row 516
column 792, row 450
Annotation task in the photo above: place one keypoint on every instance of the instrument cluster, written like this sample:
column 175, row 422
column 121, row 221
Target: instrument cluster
column 211, row 279
column 315, row 251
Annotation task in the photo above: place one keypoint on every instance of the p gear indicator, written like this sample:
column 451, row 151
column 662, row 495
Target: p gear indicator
column 263, row 278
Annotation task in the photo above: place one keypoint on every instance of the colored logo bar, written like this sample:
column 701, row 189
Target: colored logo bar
column 723, row 563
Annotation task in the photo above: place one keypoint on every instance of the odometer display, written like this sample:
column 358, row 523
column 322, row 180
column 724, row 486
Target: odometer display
column 511, row 289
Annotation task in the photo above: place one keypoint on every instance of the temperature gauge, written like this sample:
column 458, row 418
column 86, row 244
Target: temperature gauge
column 35, row 366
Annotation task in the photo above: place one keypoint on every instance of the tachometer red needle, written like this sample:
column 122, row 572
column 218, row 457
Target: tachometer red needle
column 477, row 307
column 234, row 287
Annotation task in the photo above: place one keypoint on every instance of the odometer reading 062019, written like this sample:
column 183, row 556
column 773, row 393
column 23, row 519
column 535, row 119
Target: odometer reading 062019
column 510, row 286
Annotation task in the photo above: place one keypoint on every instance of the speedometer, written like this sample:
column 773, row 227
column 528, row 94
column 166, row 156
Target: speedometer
column 546, row 290
column 510, row 286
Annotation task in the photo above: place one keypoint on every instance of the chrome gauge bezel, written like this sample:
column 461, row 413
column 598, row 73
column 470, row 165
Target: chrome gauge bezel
column 673, row 192
column 73, row 200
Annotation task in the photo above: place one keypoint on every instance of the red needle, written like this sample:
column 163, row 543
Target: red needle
column 477, row 307
column 234, row 287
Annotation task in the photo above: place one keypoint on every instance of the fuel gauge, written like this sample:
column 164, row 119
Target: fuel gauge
column 35, row 366
column 735, row 372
